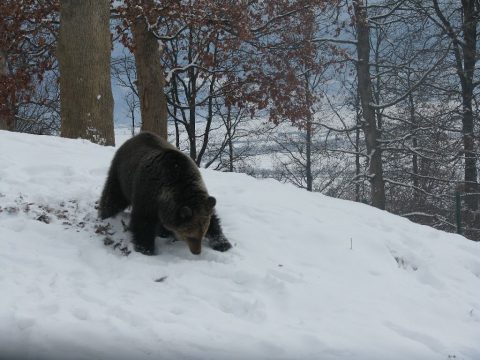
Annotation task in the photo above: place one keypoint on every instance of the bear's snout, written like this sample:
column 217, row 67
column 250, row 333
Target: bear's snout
column 195, row 245
column 196, row 251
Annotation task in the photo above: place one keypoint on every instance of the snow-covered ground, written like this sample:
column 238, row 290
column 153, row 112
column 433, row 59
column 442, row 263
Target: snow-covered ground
column 309, row 277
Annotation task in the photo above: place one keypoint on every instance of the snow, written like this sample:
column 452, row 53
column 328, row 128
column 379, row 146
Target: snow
column 309, row 276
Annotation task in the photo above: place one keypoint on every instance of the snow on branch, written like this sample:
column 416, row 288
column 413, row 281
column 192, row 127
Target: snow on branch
column 439, row 218
column 170, row 37
column 390, row 12
column 176, row 70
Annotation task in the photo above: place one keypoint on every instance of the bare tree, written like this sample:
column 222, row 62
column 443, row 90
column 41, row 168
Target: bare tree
column 370, row 127
column 125, row 75
column 27, row 44
column 463, row 36
column 39, row 113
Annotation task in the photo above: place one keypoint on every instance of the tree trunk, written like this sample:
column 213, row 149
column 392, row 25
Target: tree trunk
column 177, row 130
column 465, row 67
column 414, row 146
column 192, row 101
column 308, row 138
column 470, row 20
column 150, row 79
column 414, row 126
column 357, row 150
column 372, row 134
column 308, row 166
column 206, row 134
column 229, row 138
column 84, row 45
column 7, row 115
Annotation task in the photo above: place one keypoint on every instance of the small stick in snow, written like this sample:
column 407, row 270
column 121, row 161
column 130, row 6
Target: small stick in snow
column 125, row 226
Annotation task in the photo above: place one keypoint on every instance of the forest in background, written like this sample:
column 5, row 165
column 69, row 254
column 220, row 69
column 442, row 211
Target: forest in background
column 368, row 101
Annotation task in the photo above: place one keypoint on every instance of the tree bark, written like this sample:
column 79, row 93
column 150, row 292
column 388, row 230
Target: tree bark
column 415, row 170
column 150, row 79
column 209, row 119
column 229, row 138
column 192, row 101
column 7, row 115
column 308, row 165
column 84, row 45
column 413, row 127
column 308, row 137
column 372, row 134
column 357, row 149
column 465, row 51
column 470, row 20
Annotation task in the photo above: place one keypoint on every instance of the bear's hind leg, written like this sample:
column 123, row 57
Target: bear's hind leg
column 112, row 200
column 144, row 232
column 215, row 236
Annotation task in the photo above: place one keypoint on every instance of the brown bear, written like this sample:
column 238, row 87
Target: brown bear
column 166, row 192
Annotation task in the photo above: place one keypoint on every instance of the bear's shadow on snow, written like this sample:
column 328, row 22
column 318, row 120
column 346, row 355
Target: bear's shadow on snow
column 116, row 235
column 77, row 216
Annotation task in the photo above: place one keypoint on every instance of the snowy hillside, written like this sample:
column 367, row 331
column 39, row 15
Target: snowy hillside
column 309, row 277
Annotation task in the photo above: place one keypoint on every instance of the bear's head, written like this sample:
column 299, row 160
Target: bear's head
column 191, row 223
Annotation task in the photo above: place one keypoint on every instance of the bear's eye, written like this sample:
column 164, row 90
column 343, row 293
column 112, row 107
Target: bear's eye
column 185, row 213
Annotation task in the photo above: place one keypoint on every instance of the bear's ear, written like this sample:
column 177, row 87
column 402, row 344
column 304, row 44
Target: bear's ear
column 185, row 213
column 211, row 202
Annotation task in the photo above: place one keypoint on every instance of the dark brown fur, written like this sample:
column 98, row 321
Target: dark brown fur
column 166, row 191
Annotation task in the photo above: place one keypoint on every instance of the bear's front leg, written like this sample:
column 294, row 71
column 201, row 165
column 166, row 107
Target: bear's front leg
column 162, row 231
column 215, row 236
column 144, row 231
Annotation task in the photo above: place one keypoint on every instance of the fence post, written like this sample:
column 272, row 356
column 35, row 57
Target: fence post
column 458, row 212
